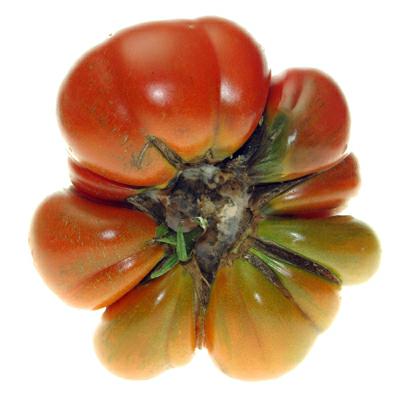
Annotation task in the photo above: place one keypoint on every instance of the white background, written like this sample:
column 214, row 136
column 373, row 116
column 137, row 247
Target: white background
column 45, row 346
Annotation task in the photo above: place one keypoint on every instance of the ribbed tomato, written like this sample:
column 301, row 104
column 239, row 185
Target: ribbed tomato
column 204, row 207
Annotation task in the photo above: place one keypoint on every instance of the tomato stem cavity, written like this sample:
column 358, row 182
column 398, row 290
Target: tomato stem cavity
column 205, row 216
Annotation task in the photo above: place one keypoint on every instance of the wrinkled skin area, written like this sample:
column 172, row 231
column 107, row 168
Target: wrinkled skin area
column 218, row 197
column 204, row 204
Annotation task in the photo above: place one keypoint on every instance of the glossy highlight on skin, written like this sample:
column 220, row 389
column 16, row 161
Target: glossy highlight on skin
column 180, row 81
column 150, row 329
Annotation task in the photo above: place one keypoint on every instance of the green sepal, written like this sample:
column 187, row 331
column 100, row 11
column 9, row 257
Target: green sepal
column 161, row 230
column 267, row 163
column 181, row 245
column 167, row 265
column 267, row 260
column 170, row 240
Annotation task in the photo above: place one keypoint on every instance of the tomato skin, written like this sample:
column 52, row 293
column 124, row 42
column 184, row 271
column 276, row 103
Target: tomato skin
column 342, row 244
column 317, row 297
column 151, row 328
column 200, row 86
column 307, row 123
column 322, row 194
column 93, row 185
column 89, row 253
column 252, row 330
column 243, row 88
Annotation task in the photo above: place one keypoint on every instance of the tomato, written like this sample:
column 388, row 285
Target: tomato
column 205, row 201
column 184, row 82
